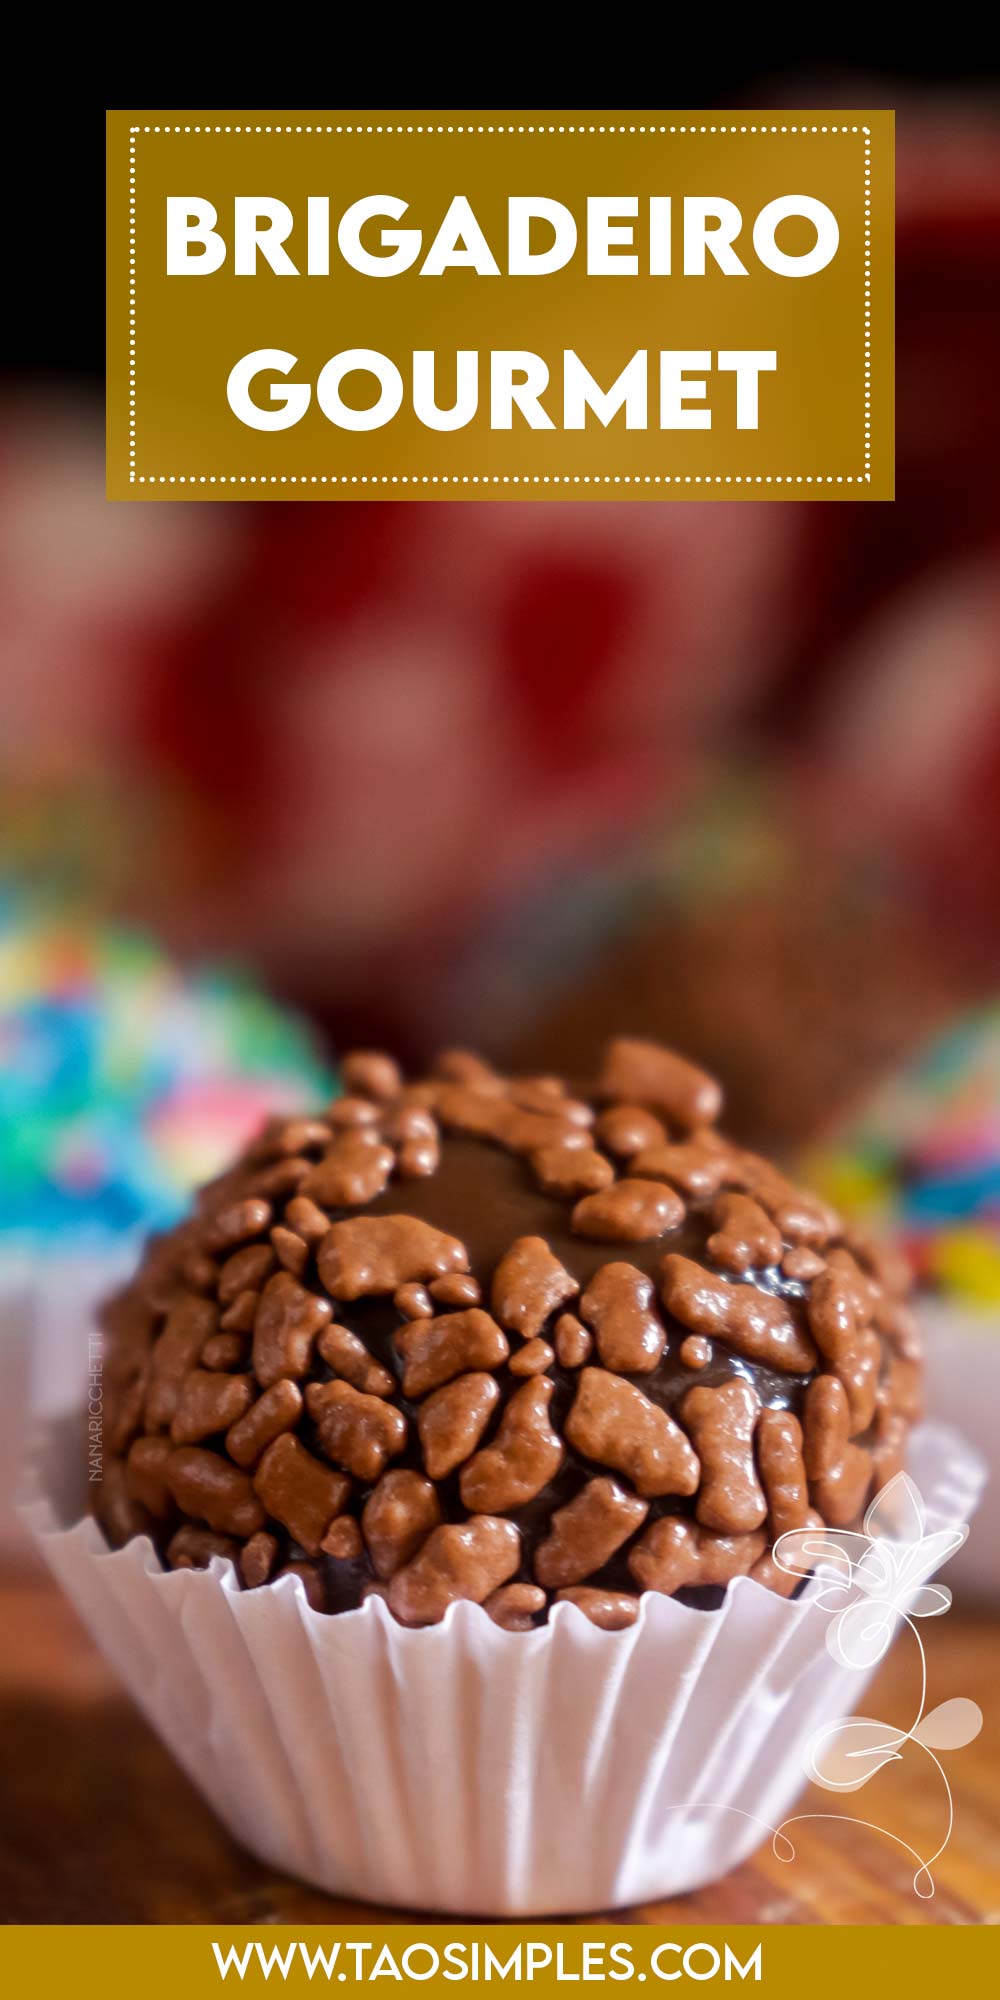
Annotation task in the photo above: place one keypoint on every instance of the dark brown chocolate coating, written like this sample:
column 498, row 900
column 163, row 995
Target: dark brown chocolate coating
column 397, row 1281
column 488, row 1197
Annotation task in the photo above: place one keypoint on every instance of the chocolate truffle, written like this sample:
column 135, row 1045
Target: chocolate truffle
column 489, row 1338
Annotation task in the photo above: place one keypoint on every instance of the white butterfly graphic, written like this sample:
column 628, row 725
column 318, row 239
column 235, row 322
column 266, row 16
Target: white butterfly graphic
column 872, row 1577
column 872, row 1580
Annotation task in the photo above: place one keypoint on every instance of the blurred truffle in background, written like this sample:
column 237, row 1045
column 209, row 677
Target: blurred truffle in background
column 125, row 1083
column 779, row 946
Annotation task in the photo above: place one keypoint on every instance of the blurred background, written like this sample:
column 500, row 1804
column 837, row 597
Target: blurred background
column 510, row 774
column 519, row 774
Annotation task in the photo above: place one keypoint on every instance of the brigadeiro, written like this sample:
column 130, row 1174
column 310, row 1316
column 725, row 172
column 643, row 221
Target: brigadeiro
column 517, row 1378
column 482, row 1338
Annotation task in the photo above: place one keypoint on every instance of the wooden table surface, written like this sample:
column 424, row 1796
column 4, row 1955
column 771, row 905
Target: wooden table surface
column 97, row 1825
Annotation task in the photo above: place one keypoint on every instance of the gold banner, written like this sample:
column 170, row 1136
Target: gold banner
column 101, row 1962
column 425, row 305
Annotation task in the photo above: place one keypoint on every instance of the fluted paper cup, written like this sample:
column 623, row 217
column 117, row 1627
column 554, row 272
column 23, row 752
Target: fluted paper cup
column 462, row 1768
column 14, row 1359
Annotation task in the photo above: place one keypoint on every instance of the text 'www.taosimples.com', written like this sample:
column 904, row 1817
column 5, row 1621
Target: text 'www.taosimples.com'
column 362, row 1961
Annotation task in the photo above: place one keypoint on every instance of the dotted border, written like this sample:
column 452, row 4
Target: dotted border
column 498, row 478
column 131, row 307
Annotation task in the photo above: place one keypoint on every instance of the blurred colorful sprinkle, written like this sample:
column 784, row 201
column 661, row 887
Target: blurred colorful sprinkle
column 125, row 1082
column 923, row 1161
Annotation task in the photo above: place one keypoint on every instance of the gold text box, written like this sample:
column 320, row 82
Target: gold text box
column 825, row 427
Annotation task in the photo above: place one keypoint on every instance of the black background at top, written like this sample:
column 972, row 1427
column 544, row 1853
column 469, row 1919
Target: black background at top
column 53, row 318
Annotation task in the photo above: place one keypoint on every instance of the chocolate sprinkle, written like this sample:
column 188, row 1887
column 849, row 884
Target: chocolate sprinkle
column 583, row 1346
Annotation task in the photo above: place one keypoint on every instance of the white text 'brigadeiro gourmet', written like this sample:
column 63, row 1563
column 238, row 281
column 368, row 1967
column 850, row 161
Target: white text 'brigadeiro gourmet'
column 537, row 236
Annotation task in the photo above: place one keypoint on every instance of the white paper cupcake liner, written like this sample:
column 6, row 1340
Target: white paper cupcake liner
column 49, row 1301
column 464, row 1769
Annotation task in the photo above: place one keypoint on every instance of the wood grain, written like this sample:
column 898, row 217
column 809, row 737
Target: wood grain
column 97, row 1825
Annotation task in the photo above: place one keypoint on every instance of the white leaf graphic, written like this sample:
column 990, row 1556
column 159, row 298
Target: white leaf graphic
column 930, row 1601
column 845, row 1754
column 951, row 1725
column 877, row 1571
column 859, row 1637
column 800, row 1551
column 898, row 1511
column 916, row 1560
